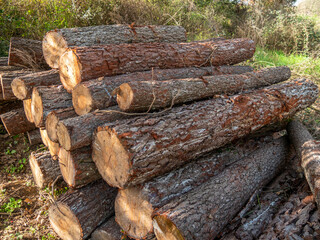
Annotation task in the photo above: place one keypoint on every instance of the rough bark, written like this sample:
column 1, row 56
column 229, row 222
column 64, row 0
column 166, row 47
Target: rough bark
column 77, row 167
column 26, row 53
column 52, row 146
column 47, row 99
column 139, row 149
column 201, row 214
column 27, row 109
column 15, row 122
column 34, row 137
column 97, row 94
column 44, row 169
column 56, row 42
column 151, row 95
column 3, row 61
column 143, row 200
column 22, row 86
column 110, row 230
column 53, row 119
column 77, row 213
column 5, row 69
column 308, row 150
column 79, row 64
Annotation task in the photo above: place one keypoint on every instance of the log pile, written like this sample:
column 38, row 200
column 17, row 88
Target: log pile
column 156, row 137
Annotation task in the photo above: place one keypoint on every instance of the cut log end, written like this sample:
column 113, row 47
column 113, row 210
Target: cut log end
column 36, row 108
column 67, row 167
column 64, row 136
column 64, row 222
column 53, row 46
column 111, row 159
column 82, row 100
column 51, row 126
column 36, row 171
column 125, row 96
column 134, row 212
column 164, row 229
column 27, row 109
column 70, row 70
column 19, row 89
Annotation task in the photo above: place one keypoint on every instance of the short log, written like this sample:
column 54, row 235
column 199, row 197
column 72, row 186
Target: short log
column 3, row 61
column 53, row 147
column 27, row 109
column 34, row 137
column 110, row 230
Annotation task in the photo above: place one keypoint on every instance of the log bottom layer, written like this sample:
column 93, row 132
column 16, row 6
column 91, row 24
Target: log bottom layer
column 107, row 231
column 34, row 137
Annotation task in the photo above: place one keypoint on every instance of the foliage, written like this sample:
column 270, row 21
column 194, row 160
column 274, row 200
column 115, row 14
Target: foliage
column 11, row 205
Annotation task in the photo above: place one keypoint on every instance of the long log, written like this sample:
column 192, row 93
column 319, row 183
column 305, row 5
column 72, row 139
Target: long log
column 56, row 42
column 26, row 53
column 150, row 95
column 53, row 147
column 22, row 86
column 3, row 61
column 53, row 119
column 15, row 122
column 132, row 151
column 77, row 213
column 4, row 69
column 27, row 109
column 97, row 94
column 308, row 150
column 110, row 230
column 34, row 137
column 77, row 167
column 143, row 200
column 79, row 64
column 47, row 99
column 201, row 214
column 44, row 169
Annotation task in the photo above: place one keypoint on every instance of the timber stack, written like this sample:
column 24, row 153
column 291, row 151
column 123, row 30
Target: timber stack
column 157, row 137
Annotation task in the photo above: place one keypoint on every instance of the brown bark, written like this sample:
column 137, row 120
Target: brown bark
column 79, row 64
column 97, row 94
column 77, row 167
column 77, row 213
column 34, row 137
column 143, row 200
column 150, row 95
column 27, row 109
column 133, row 151
column 5, row 69
column 56, row 42
column 53, row 119
column 44, row 169
column 47, row 99
column 201, row 214
column 3, row 61
column 26, row 53
column 16, row 122
column 308, row 150
column 52, row 146
column 110, row 230
column 22, row 86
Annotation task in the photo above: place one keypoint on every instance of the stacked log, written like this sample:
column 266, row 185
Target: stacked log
column 110, row 230
column 34, row 137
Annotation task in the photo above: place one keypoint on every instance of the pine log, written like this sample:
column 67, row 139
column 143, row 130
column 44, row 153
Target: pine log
column 53, row 119
column 80, row 64
column 44, row 136
column 56, row 42
column 151, row 95
column 5, row 69
column 27, row 109
column 202, row 213
column 308, row 150
column 15, row 122
column 3, row 61
column 77, row 213
column 77, row 167
column 26, row 53
column 97, row 94
column 110, row 230
column 34, row 137
column 22, row 86
column 132, row 151
column 44, row 169
column 53, row 147
column 143, row 200
column 47, row 99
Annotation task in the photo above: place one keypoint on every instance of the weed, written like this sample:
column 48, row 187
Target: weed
column 10, row 152
column 11, row 205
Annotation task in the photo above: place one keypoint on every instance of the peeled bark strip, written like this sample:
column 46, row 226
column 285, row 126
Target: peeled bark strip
column 52, row 146
column 110, row 230
column 132, row 151
column 22, row 86
column 77, row 167
column 308, row 150
column 143, row 200
column 80, row 64
column 16, row 122
column 150, row 95
column 97, row 94
column 26, row 53
column 27, row 109
column 3, row 61
column 34, row 137
column 77, row 213
column 202, row 213
column 44, row 169
column 47, row 99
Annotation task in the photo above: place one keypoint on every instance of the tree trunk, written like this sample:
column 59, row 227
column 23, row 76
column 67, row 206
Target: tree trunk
column 308, row 150
column 110, row 230
column 143, row 200
column 22, row 86
column 26, row 53
column 48, row 99
column 53, row 119
column 84, row 63
column 27, row 109
column 6, row 69
column 3, row 61
column 16, row 122
column 202, row 213
column 34, row 137
column 53, row 147
column 133, row 151
column 77, row 167
column 44, row 169
column 97, row 94
column 77, row 213
column 151, row 95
